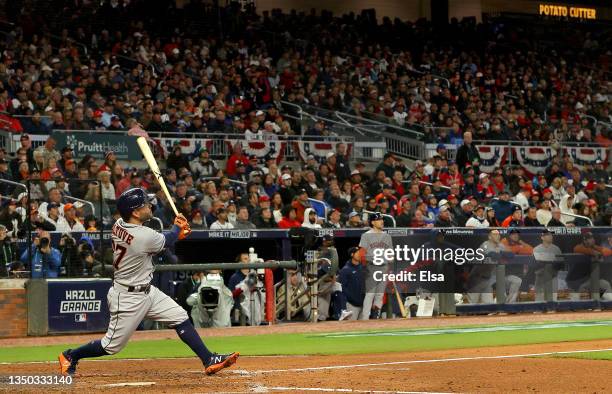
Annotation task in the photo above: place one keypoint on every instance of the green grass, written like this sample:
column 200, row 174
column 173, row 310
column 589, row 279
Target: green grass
column 287, row 344
column 588, row 356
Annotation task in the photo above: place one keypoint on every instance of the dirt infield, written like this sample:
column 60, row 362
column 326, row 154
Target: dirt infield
column 393, row 372
column 487, row 369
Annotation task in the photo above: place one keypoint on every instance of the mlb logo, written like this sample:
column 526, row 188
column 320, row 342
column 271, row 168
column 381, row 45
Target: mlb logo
column 80, row 317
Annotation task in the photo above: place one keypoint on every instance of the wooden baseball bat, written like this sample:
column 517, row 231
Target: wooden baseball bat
column 148, row 155
column 399, row 301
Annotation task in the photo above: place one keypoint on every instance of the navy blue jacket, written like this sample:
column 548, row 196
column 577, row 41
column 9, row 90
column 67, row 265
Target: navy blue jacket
column 353, row 283
column 503, row 209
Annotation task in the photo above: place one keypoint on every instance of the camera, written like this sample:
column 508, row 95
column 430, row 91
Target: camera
column 209, row 298
column 69, row 242
column 44, row 243
column 251, row 280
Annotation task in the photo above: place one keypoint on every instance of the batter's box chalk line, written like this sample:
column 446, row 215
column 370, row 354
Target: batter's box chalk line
column 431, row 361
column 264, row 389
column 128, row 384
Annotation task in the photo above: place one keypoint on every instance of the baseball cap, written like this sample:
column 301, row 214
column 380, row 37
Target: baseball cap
column 329, row 154
column 452, row 197
column 443, row 208
column 259, row 113
column 375, row 216
column 546, row 231
column 442, row 202
column 302, row 191
column 264, row 198
column 310, row 157
column 52, row 205
column 517, row 208
column 285, row 177
column 478, row 207
column 514, row 230
column 355, row 172
column 352, row 214
column 97, row 113
column 440, row 146
column 328, row 237
column 352, row 250
column 464, row 203
column 483, row 175
column 68, row 207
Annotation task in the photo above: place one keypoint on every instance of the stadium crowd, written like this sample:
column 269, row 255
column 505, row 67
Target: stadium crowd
column 143, row 75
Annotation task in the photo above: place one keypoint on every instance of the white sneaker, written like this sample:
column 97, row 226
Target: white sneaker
column 344, row 315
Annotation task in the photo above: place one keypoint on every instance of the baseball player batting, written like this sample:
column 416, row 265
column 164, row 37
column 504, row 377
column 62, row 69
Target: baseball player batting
column 132, row 297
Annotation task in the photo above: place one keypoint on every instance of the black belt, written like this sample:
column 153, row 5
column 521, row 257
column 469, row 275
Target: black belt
column 139, row 289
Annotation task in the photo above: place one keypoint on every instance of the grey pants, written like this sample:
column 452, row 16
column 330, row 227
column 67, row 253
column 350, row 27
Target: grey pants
column 513, row 285
column 586, row 286
column 128, row 309
column 373, row 298
column 355, row 309
column 539, row 286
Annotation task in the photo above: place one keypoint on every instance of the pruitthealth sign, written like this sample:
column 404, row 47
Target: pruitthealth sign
column 97, row 144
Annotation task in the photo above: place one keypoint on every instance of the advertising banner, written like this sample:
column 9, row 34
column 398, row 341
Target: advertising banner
column 78, row 305
column 97, row 144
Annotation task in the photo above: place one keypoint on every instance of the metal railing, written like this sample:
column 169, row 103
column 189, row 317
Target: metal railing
column 16, row 184
column 216, row 178
column 288, row 264
column 578, row 216
column 451, row 149
column 93, row 208
column 220, row 146
column 401, row 141
column 428, row 183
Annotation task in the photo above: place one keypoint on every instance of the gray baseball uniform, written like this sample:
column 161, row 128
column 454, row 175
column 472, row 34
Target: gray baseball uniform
column 371, row 240
column 133, row 249
column 546, row 253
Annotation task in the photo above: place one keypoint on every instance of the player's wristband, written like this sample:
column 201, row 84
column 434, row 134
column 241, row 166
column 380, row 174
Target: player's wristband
column 172, row 236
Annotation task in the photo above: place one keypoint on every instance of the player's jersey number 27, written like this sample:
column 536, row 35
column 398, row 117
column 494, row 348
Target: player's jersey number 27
column 119, row 252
